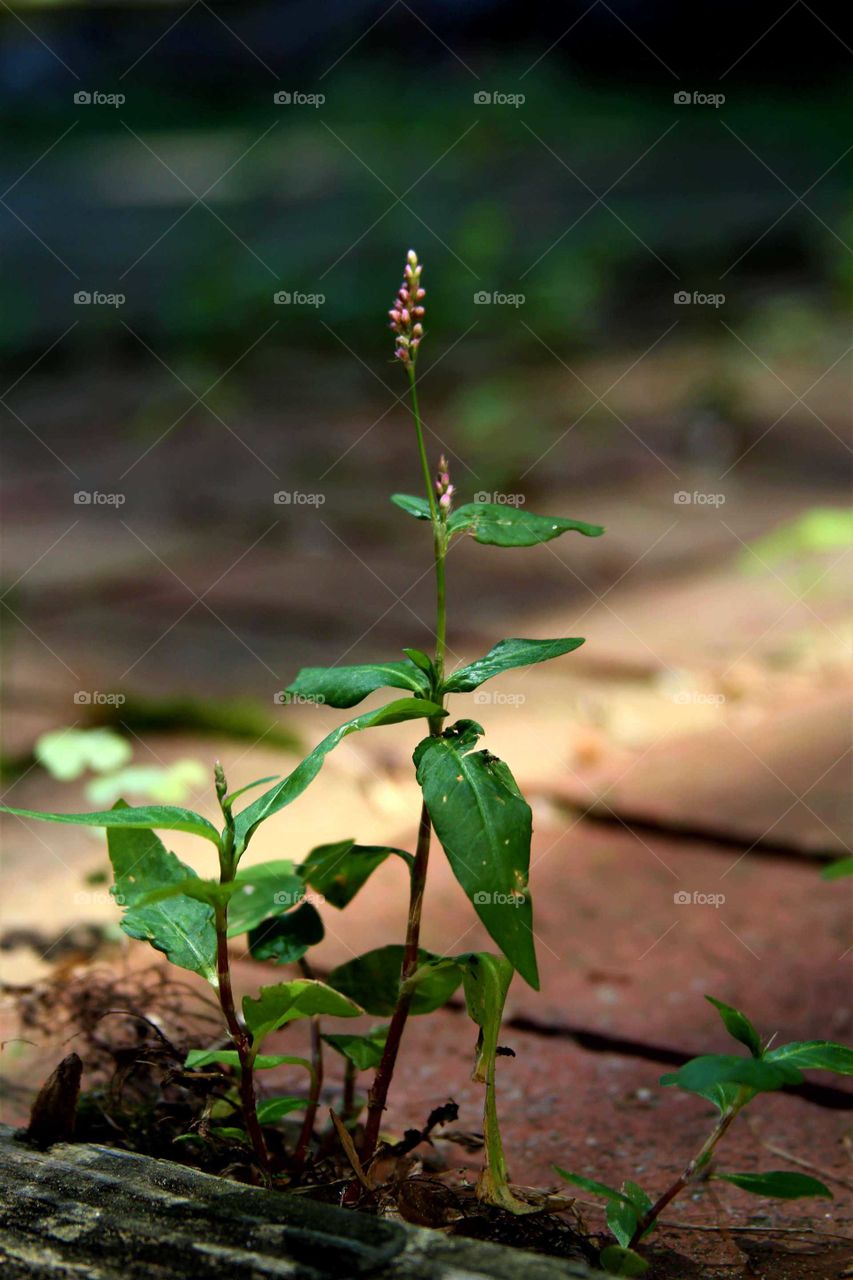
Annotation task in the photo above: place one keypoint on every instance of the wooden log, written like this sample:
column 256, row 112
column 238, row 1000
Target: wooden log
column 81, row 1212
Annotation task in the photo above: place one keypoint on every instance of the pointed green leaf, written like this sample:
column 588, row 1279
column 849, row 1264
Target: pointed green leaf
column 618, row 1261
column 504, row 526
column 622, row 1219
column 777, row 1183
column 484, row 825
column 373, row 980
column 286, row 1001
column 738, row 1025
column 345, row 686
column 148, row 817
column 421, row 660
column 364, row 1052
column 231, row 1058
column 813, row 1055
column 417, row 507
column 272, row 1109
column 294, row 784
column 235, row 795
column 260, row 892
column 181, row 928
column 338, row 871
column 702, row 1075
column 505, row 655
column 590, row 1185
column 285, row 939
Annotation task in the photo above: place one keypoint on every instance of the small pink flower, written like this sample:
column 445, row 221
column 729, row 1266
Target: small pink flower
column 406, row 309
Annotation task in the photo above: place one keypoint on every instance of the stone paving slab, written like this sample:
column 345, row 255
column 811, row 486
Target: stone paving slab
column 784, row 780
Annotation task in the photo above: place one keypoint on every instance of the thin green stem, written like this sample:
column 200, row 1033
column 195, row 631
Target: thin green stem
column 378, row 1094
column 694, row 1166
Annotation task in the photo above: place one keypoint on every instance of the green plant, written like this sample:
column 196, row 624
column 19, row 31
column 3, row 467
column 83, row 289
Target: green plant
column 470, row 799
column 730, row 1082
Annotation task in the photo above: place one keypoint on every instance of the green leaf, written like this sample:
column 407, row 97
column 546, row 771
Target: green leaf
column 590, row 1185
column 703, row 1075
column 417, row 507
column 181, row 928
column 364, row 1052
column 68, row 753
column 624, row 1214
column 294, row 784
column 813, row 1055
column 777, row 1183
column 285, row 939
column 345, row 686
column 618, row 1261
column 504, row 526
column 338, row 871
column 149, row 817
column 738, row 1025
column 421, row 660
column 269, row 889
column 837, row 870
column 235, row 795
column 505, row 655
column 622, row 1219
column 231, row 1058
column 286, row 1001
column 484, row 825
column 373, row 980
column 272, row 1109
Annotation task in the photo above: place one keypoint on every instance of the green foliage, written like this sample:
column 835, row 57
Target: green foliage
column 505, row 655
column 373, row 980
column 338, row 871
column 275, row 1006
column 150, row 817
column 504, row 526
column 182, row 928
column 813, row 1055
column 364, row 1052
column 231, row 1058
column 273, row 1109
column 345, row 686
column 276, row 799
column 838, row 870
column 164, row 784
column 484, row 825
column 285, row 939
column 702, row 1075
column 618, row 1261
column 738, row 1026
column 777, row 1183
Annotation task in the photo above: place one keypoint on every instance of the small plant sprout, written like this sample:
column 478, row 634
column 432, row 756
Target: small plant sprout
column 730, row 1082
column 470, row 800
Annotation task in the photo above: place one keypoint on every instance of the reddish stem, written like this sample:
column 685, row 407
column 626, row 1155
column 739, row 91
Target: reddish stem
column 241, row 1041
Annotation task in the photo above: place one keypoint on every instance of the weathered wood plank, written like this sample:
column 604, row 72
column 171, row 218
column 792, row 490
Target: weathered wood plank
column 85, row 1211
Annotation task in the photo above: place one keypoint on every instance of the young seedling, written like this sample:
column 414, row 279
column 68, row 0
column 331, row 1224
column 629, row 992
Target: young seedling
column 730, row 1082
